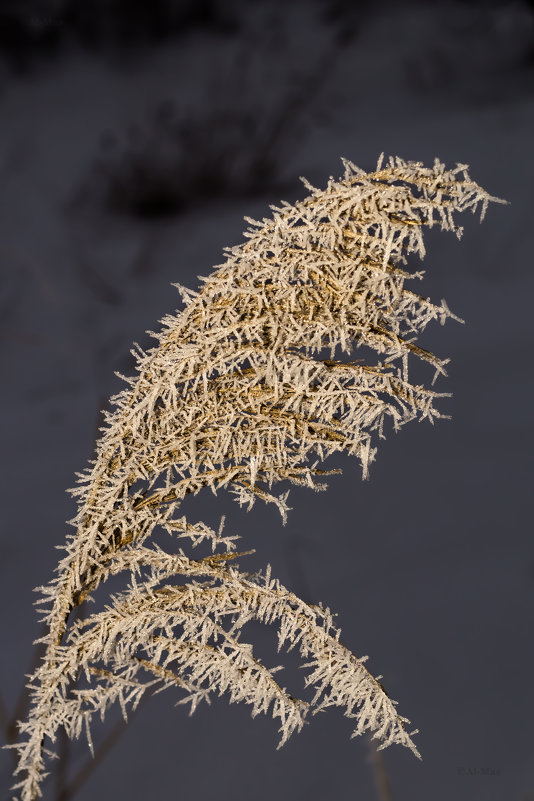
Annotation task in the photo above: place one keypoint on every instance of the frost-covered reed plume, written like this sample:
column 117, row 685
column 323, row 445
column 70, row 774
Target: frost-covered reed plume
column 235, row 396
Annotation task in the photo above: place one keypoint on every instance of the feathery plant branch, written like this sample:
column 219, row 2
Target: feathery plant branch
column 234, row 396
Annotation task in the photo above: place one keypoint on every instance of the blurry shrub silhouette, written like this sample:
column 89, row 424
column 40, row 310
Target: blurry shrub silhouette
column 169, row 164
column 31, row 31
column 232, row 141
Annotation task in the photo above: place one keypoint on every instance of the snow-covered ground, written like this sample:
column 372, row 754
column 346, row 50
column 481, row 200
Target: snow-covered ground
column 430, row 564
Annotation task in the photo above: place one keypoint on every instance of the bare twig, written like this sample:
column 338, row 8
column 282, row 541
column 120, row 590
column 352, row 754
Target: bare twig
column 71, row 788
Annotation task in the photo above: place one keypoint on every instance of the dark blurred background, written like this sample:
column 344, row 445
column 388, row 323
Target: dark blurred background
column 133, row 139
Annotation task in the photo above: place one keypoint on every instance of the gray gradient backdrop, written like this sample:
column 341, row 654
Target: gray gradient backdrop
column 430, row 563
